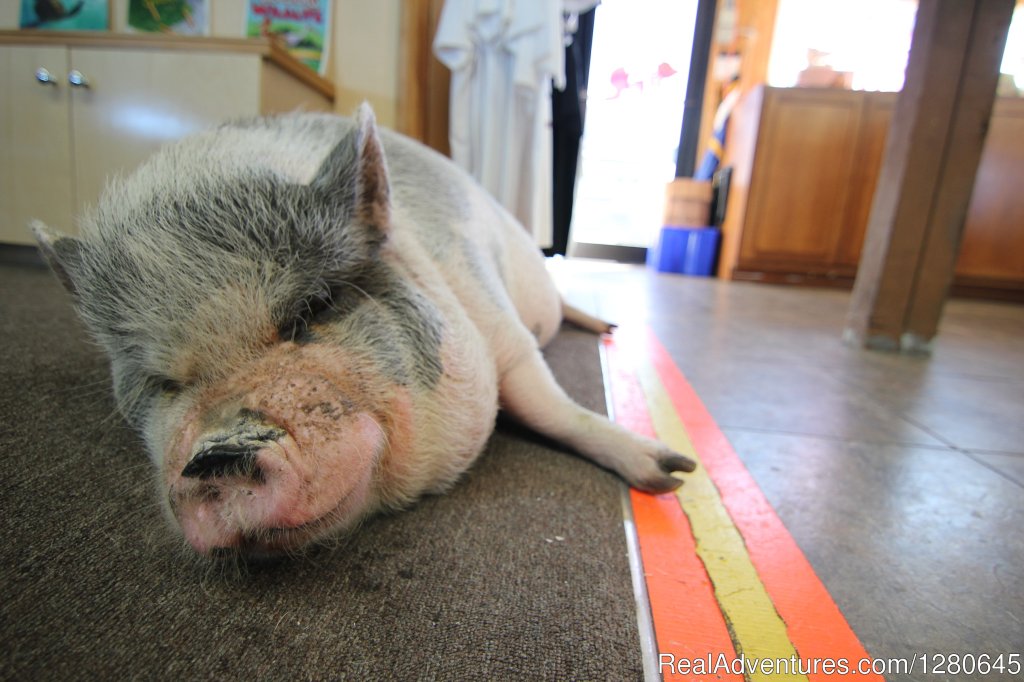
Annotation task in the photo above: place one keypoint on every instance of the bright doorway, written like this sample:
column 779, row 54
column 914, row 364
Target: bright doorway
column 637, row 87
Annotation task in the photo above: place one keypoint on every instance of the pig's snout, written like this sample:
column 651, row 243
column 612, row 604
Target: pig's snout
column 235, row 487
column 258, row 488
column 234, row 453
column 224, row 460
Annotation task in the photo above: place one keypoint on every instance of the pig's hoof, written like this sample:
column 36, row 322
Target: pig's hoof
column 660, row 480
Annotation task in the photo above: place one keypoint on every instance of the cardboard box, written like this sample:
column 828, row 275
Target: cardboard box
column 687, row 203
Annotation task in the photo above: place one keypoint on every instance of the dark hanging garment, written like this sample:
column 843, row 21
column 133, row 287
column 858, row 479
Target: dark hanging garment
column 568, row 108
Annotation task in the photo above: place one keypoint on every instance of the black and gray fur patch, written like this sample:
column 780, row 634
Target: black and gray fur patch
column 255, row 247
column 402, row 326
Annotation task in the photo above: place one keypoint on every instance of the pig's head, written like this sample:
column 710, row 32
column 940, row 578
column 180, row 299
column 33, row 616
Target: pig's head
column 257, row 338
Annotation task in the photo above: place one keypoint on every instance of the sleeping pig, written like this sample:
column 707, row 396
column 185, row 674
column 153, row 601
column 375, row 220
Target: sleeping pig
column 309, row 320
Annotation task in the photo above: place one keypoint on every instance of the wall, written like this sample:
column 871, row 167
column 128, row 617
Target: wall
column 364, row 54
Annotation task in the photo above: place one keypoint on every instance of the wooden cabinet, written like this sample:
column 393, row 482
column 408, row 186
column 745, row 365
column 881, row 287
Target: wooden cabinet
column 992, row 251
column 808, row 142
column 807, row 163
column 873, row 129
column 60, row 142
column 815, row 162
column 35, row 142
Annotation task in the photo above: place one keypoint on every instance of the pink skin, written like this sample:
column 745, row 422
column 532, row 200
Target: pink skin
column 315, row 478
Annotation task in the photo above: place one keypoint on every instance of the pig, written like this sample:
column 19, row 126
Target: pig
column 310, row 319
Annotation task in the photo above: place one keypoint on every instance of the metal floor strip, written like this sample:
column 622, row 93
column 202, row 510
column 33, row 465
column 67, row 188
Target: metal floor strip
column 645, row 622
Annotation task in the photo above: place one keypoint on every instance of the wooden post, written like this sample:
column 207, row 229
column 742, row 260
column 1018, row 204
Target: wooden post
column 931, row 159
column 423, row 80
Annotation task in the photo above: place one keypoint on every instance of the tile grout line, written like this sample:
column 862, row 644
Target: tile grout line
column 972, row 456
column 942, row 439
column 963, row 451
column 1004, row 453
column 838, row 439
column 944, row 444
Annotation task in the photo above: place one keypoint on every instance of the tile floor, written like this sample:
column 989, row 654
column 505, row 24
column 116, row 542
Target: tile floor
column 901, row 478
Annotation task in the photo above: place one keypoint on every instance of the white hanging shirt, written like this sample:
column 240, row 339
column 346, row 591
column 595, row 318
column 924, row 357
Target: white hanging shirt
column 503, row 55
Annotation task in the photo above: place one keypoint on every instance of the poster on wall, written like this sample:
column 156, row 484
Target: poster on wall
column 301, row 26
column 65, row 15
column 184, row 17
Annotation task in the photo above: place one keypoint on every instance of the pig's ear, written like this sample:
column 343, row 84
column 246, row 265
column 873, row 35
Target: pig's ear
column 370, row 194
column 62, row 253
column 372, row 191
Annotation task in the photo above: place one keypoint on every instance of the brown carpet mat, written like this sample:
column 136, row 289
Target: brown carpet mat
column 520, row 572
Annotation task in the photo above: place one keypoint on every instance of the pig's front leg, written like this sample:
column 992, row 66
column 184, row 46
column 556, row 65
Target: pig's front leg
column 529, row 393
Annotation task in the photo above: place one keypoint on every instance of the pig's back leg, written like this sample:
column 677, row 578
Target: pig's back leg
column 530, row 393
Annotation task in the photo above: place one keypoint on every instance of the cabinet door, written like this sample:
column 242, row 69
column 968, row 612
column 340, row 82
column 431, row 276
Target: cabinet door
column 137, row 100
column 992, row 249
column 35, row 160
column 801, row 179
column 867, row 166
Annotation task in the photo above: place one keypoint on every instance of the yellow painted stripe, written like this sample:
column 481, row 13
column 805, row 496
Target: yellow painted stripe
column 756, row 628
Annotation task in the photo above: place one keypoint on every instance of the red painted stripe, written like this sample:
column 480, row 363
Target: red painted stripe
column 687, row 620
column 816, row 627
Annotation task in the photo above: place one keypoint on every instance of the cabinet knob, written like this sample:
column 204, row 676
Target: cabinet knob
column 44, row 76
column 77, row 79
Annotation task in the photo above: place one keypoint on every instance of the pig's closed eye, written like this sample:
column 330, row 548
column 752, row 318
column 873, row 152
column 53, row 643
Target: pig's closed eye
column 168, row 386
column 306, row 311
column 317, row 305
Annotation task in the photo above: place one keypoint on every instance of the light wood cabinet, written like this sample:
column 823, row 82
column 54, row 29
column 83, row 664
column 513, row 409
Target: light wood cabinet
column 992, row 252
column 35, row 142
column 808, row 142
column 807, row 163
column 873, row 129
column 815, row 159
column 59, row 142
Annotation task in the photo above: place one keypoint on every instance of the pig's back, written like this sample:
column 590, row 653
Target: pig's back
column 463, row 227
column 490, row 261
column 424, row 184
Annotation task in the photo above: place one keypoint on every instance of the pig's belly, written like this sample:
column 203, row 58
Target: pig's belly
column 537, row 301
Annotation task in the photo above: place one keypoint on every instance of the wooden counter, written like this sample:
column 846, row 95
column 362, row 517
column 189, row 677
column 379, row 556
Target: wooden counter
column 806, row 164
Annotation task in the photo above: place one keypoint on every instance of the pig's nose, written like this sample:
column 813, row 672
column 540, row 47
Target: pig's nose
column 233, row 450
column 224, row 459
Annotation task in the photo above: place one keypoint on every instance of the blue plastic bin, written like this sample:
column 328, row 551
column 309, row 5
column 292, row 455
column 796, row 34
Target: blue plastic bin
column 685, row 250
